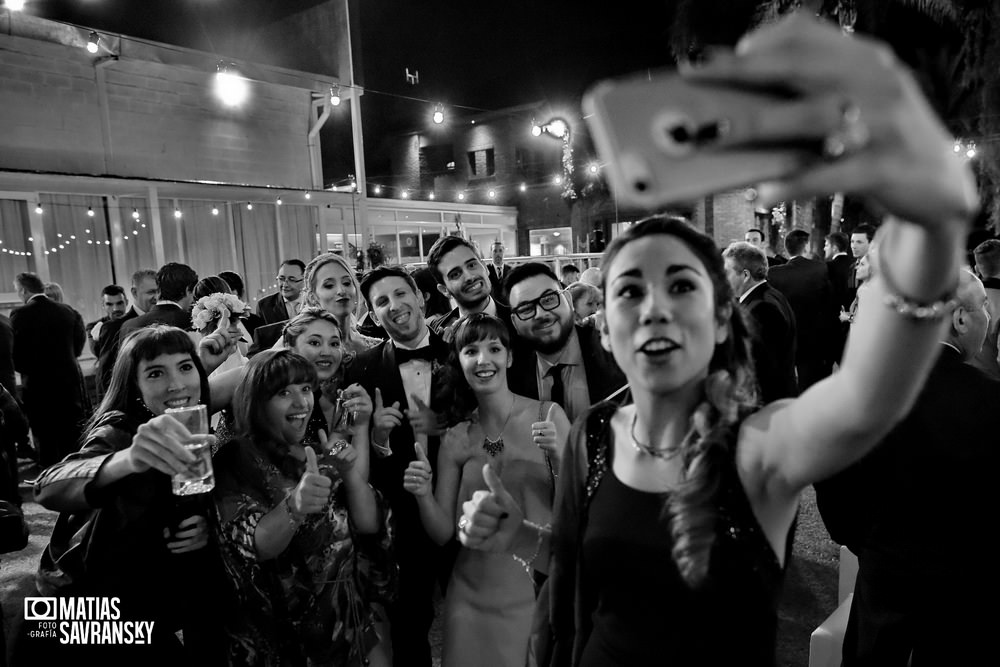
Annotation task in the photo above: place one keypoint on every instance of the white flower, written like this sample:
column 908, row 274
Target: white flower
column 207, row 311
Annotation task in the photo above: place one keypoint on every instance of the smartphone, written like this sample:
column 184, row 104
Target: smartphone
column 649, row 132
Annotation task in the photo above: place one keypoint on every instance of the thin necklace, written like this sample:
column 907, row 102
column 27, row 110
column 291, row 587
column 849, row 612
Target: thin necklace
column 648, row 449
column 494, row 447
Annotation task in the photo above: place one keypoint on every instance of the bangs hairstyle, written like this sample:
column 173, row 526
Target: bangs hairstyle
column 480, row 326
column 293, row 329
column 454, row 393
column 144, row 344
column 730, row 394
column 266, row 373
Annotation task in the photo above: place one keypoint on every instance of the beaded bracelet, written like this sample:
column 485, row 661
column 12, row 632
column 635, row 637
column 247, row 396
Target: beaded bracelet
column 910, row 308
column 527, row 563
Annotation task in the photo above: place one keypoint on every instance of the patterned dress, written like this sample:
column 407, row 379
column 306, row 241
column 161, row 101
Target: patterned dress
column 316, row 603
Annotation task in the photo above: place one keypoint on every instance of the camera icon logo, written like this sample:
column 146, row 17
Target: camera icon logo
column 40, row 609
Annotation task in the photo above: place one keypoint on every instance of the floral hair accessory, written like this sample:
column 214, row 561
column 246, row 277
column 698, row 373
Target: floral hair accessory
column 208, row 309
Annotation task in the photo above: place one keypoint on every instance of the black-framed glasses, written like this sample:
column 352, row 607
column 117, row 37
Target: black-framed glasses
column 288, row 279
column 548, row 301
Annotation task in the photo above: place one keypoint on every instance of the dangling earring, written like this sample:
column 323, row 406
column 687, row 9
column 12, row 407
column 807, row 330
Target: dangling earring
column 144, row 409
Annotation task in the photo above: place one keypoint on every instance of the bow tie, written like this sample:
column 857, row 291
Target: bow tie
column 425, row 353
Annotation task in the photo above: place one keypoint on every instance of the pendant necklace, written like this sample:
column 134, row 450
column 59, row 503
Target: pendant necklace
column 495, row 447
column 649, row 450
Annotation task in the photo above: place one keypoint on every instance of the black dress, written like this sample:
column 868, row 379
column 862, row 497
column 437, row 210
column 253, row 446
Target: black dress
column 645, row 613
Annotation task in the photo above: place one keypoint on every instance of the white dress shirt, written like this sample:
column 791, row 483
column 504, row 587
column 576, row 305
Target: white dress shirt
column 416, row 377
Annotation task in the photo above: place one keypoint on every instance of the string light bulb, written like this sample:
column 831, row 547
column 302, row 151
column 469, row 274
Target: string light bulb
column 231, row 88
column 406, row 194
column 438, row 116
column 135, row 214
column 94, row 42
column 593, row 168
column 249, row 206
column 523, row 187
column 15, row 5
column 378, row 189
column 335, row 94
column 278, row 201
column 215, row 211
column 492, row 194
column 38, row 208
column 431, row 196
column 90, row 211
column 177, row 213
column 536, row 129
column 461, row 196
column 308, row 195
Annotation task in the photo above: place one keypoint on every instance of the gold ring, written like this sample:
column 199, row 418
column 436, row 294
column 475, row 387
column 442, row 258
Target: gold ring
column 462, row 523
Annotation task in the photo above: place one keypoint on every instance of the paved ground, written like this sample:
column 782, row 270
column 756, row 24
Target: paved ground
column 810, row 587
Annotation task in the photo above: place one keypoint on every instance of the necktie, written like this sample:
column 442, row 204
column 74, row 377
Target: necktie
column 558, row 389
column 425, row 353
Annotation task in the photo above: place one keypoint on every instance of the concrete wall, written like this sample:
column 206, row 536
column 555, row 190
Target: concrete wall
column 153, row 120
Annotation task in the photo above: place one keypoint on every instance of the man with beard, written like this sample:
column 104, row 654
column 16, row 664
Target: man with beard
column 560, row 362
column 399, row 375
column 462, row 276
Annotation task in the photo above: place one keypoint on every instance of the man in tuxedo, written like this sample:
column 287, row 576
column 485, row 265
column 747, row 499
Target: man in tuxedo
column 176, row 282
column 771, row 319
column 840, row 270
column 498, row 270
column 113, row 301
column 755, row 237
column 7, row 355
column 48, row 338
column 557, row 361
column 861, row 240
column 918, row 512
column 399, row 375
column 288, row 301
column 462, row 276
column 806, row 284
column 144, row 295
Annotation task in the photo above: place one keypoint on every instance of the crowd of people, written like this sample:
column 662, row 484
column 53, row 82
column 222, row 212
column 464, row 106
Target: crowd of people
column 597, row 469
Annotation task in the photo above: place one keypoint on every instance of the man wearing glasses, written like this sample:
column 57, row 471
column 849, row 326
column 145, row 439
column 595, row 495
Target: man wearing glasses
column 562, row 362
column 286, row 303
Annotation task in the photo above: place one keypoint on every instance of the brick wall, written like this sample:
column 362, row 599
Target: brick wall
column 164, row 120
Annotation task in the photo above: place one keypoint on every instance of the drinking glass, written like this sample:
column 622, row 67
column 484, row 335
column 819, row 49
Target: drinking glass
column 200, row 478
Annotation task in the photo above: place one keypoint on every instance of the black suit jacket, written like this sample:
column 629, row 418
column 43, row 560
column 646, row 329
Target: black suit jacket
column 772, row 324
column 264, row 337
column 272, row 309
column 7, row 355
column 108, row 344
column 935, row 472
column 839, row 270
column 806, row 285
column 166, row 313
column 603, row 375
column 496, row 281
column 48, row 338
column 377, row 367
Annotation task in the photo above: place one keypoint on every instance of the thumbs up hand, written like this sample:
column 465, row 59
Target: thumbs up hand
column 543, row 433
column 417, row 478
column 490, row 520
column 313, row 490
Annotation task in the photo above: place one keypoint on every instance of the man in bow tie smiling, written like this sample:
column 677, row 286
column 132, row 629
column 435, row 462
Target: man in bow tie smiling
column 399, row 373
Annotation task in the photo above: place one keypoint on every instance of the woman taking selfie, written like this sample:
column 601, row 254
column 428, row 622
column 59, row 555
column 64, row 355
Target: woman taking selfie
column 118, row 534
column 487, row 616
column 708, row 482
column 294, row 522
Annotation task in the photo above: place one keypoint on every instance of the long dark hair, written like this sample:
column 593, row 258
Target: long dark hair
column 456, row 396
column 730, row 394
column 145, row 344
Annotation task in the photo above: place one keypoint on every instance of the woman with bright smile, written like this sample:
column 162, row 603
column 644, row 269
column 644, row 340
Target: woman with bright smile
column 487, row 615
column 330, row 284
column 304, row 537
column 672, row 527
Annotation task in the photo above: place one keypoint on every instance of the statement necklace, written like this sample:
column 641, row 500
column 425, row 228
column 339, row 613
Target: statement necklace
column 494, row 447
column 647, row 449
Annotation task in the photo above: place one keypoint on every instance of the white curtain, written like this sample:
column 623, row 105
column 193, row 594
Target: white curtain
column 14, row 232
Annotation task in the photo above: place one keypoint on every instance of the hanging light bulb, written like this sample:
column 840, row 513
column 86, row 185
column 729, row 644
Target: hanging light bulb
column 15, row 5
column 378, row 189
column 523, row 187
column 536, row 129
column 308, row 195
column 438, row 116
column 278, row 201
column 492, row 194
column 431, row 196
column 90, row 211
column 215, row 211
column 593, row 168
column 177, row 213
column 94, row 43
column 231, row 88
column 558, row 179
column 335, row 94
column 38, row 208
column 249, row 206
column 461, row 196
column 135, row 214
column 406, row 194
